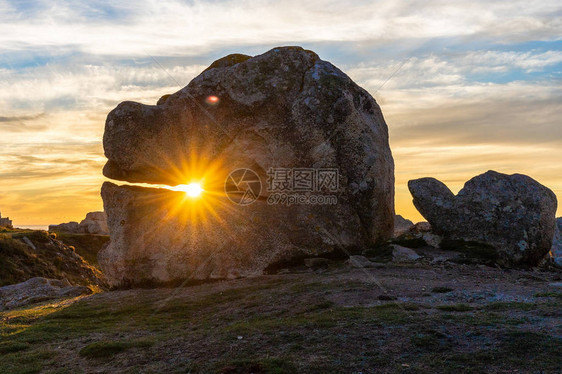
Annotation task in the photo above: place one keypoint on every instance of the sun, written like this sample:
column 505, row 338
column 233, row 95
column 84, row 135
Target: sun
column 192, row 190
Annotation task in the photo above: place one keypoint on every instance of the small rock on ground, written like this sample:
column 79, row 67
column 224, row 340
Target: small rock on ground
column 403, row 254
column 36, row 290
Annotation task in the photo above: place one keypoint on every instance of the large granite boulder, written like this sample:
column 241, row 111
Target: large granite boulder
column 510, row 215
column 37, row 290
column 274, row 112
column 556, row 249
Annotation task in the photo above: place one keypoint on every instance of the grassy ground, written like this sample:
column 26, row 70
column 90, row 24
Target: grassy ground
column 45, row 257
column 304, row 322
column 86, row 245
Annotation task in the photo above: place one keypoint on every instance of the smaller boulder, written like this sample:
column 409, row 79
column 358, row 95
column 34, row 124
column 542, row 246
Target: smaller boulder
column 556, row 249
column 37, row 290
column 432, row 240
column 511, row 215
column 358, row 261
column 401, row 225
column 403, row 254
column 71, row 227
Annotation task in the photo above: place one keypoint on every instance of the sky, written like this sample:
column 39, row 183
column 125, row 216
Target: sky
column 465, row 86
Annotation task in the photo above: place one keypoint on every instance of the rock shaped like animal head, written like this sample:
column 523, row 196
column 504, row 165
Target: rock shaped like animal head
column 286, row 109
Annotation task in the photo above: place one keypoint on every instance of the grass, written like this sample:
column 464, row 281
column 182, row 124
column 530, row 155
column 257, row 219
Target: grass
column 441, row 289
column 549, row 294
column 31, row 363
column 106, row 349
column 503, row 306
column 455, row 308
column 430, row 340
column 11, row 347
column 103, row 349
column 50, row 259
column 11, row 251
column 85, row 245
column 263, row 365
column 274, row 325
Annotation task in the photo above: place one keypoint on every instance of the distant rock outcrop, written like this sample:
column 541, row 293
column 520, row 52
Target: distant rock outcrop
column 36, row 290
column 94, row 223
column 513, row 215
column 5, row 222
column 284, row 109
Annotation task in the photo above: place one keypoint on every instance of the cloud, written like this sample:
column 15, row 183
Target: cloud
column 71, row 85
column 66, row 160
column 433, row 100
column 167, row 27
column 21, row 118
column 512, row 118
column 463, row 68
column 46, row 183
column 494, row 61
column 465, row 87
column 16, row 123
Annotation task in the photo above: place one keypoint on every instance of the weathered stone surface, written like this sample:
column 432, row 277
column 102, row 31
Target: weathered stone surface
column 401, row 225
column 317, row 262
column 358, row 261
column 153, row 241
column 96, row 216
column 556, row 249
column 36, row 290
column 283, row 109
column 94, row 223
column 418, row 235
column 513, row 214
column 432, row 239
column 403, row 254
